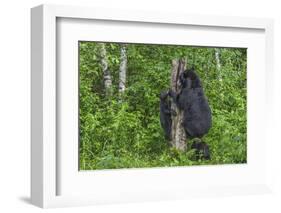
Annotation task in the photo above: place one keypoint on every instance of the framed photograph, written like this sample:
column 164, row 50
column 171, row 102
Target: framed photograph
column 131, row 106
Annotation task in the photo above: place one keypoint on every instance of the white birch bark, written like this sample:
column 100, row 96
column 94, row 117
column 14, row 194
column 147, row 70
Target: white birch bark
column 122, row 69
column 106, row 72
column 218, row 63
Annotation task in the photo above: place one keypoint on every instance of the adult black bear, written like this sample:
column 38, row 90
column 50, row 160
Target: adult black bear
column 165, row 114
column 197, row 119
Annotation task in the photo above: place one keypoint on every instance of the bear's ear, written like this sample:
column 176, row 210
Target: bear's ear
column 185, row 73
column 190, row 72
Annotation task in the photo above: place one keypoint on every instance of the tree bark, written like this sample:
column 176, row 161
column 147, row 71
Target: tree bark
column 106, row 72
column 122, row 69
column 178, row 135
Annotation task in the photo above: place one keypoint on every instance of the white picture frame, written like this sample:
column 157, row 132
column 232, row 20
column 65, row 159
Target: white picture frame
column 49, row 188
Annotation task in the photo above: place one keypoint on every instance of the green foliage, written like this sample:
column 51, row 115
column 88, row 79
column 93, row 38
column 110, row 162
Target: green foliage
column 125, row 132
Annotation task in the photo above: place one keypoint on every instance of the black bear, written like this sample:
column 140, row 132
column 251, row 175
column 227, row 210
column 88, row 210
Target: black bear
column 197, row 119
column 165, row 114
column 202, row 150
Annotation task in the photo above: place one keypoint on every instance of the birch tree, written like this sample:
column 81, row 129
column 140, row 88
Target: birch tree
column 106, row 72
column 218, row 63
column 122, row 69
column 178, row 135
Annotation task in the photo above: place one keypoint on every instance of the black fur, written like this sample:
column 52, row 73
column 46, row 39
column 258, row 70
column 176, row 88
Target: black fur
column 165, row 114
column 197, row 118
column 193, row 77
column 202, row 150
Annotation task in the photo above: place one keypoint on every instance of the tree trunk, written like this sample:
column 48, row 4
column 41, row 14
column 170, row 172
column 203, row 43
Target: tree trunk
column 178, row 135
column 106, row 72
column 218, row 63
column 122, row 69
